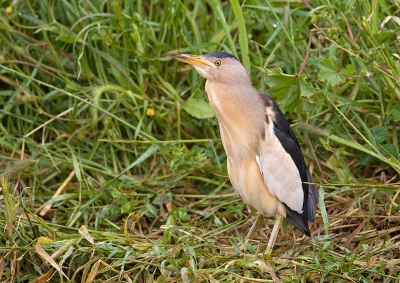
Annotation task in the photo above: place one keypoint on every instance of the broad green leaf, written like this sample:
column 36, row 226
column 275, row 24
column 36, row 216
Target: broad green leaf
column 388, row 150
column 396, row 114
column 365, row 158
column 126, row 208
column 350, row 70
column 379, row 133
column 288, row 90
column 313, row 61
column 329, row 72
column 198, row 108
column 306, row 90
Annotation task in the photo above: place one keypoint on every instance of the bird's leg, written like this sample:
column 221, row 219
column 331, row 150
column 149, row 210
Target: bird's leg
column 274, row 234
column 254, row 227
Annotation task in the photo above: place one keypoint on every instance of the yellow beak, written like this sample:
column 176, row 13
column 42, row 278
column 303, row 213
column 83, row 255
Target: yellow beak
column 194, row 60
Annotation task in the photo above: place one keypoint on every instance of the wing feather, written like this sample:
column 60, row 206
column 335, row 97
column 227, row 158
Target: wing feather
column 284, row 170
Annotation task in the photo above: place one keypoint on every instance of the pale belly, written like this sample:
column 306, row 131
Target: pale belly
column 247, row 180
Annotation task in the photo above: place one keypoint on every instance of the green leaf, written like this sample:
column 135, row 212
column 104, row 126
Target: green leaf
column 396, row 114
column 125, row 208
column 329, row 72
column 388, row 150
column 118, row 71
column 289, row 90
column 313, row 61
column 350, row 70
column 342, row 171
column 365, row 158
column 306, row 90
column 67, row 38
column 384, row 35
column 198, row 108
column 379, row 133
column 150, row 211
column 5, row 27
column 321, row 196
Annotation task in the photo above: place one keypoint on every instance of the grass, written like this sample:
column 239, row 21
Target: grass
column 92, row 107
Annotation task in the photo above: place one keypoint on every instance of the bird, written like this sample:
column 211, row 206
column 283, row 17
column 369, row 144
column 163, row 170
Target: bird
column 265, row 164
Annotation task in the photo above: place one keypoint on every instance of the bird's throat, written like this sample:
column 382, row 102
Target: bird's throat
column 238, row 113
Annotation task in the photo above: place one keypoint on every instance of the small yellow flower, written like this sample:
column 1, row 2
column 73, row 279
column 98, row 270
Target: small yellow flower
column 9, row 10
column 150, row 112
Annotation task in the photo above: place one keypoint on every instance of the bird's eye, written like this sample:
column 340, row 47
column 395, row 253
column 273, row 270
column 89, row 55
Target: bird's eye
column 217, row 63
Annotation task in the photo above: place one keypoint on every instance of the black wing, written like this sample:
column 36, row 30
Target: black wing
column 287, row 138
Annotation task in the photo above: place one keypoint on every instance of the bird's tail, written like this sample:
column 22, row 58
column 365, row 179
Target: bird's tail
column 299, row 220
column 312, row 198
column 296, row 219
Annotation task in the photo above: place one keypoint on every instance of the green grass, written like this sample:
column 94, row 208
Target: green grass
column 146, row 198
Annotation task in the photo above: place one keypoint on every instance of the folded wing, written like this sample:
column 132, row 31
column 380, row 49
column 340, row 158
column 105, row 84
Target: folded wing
column 285, row 173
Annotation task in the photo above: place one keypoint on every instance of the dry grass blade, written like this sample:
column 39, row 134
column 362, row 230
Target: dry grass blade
column 44, row 277
column 9, row 207
column 57, row 193
column 85, row 233
column 46, row 256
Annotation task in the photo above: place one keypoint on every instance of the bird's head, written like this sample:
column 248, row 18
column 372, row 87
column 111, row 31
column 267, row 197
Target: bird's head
column 218, row 67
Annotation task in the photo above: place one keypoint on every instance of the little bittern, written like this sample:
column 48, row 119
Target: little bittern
column 265, row 163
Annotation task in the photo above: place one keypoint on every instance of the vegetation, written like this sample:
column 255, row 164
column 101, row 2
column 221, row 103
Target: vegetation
column 92, row 108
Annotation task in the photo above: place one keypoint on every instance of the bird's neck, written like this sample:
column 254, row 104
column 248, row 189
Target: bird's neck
column 240, row 114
